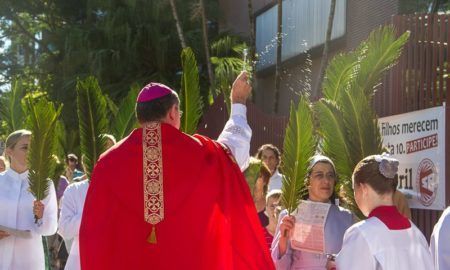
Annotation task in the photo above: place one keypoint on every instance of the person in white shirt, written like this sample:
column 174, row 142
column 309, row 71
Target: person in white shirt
column 271, row 156
column 70, row 220
column 440, row 242
column 18, row 208
column 386, row 239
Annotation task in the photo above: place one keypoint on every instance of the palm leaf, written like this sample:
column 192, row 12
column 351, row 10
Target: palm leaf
column 379, row 53
column 252, row 173
column 58, row 170
column 92, row 122
column 111, row 105
column 227, row 60
column 42, row 120
column 125, row 121
column 334, row 136
column 348, row 124
column 11, row 111
column 339, row 74
column 299, row 146
column 190, row 100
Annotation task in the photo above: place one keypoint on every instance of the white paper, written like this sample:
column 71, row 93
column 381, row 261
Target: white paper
column 309, row 229
column 15, row 232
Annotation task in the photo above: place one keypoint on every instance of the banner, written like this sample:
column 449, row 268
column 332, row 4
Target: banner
column 417, row 140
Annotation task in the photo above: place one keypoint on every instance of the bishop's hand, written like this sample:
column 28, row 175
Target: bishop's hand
column 241, row 89
column 3, row 234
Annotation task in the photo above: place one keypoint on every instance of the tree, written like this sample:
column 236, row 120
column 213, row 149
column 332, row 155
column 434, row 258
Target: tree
column 227, row 60
column 323, row 62
column 178, row 24
column 252, row 43
column 278, row 68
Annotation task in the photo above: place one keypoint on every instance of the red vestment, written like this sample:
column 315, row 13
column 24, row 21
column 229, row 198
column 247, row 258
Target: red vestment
column 210, row 220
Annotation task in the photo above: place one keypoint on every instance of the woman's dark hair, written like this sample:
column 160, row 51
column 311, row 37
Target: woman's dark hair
column 156, row 109
column 368, row 171
column 272, row 147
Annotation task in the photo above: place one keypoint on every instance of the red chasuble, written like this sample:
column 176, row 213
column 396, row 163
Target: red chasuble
column 210, row 220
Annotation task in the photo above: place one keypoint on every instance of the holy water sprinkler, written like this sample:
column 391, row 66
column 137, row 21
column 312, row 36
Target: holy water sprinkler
column 244, row 66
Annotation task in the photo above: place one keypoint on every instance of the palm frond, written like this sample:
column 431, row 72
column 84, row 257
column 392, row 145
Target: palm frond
column 339, row 73
column 379, row 53
column 227, row 61
column 252, row 173
column 42, row 119
column 58, row 170
column 334, row 136
column 11, row 111
column 190, row 100
column 111, row 105
column 348, row 124
column 299, row 146
column 125, row 120
column 92, row 122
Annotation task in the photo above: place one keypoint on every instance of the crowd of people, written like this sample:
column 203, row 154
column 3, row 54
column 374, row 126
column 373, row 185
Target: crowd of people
column 149, row 205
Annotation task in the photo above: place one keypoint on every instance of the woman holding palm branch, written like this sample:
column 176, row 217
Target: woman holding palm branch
column 21, row 236
column 320, row 181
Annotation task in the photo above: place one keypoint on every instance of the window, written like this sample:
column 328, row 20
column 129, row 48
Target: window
column 304, row 27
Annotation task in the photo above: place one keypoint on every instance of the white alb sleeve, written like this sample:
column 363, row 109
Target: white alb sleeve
column 237, row 134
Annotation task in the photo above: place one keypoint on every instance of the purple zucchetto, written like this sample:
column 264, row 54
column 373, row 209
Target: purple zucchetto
column 153, row 91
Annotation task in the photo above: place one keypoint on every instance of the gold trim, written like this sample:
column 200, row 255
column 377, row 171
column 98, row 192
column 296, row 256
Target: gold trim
column 153, row 173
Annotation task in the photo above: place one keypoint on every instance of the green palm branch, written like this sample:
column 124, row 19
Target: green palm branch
column 58, row 170
column 92, row 122
column 227, row 61
column 379, row 53
column 190, row 100
column 11, row 110
column 42, row 120
column 125, row 120
column 348, row 124
column 299, row 146
column 252, row 173
column 339, row 74
column 334, row 135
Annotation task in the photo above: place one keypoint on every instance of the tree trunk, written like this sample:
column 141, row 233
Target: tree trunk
column 279, row 47
column 317, row 89
column 178, row 24
column 206, row 44
column 252, row 51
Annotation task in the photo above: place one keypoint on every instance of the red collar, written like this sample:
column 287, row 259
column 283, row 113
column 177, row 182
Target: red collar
column 391, row 217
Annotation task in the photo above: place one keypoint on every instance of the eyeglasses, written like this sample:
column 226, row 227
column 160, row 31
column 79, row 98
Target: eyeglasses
column 322, row 176
column 73, row 160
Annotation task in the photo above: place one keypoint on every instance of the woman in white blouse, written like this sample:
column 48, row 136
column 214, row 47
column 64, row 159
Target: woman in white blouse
column 18, row 208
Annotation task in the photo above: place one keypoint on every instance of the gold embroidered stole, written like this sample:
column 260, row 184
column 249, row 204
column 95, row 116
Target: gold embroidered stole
column 153, row 176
